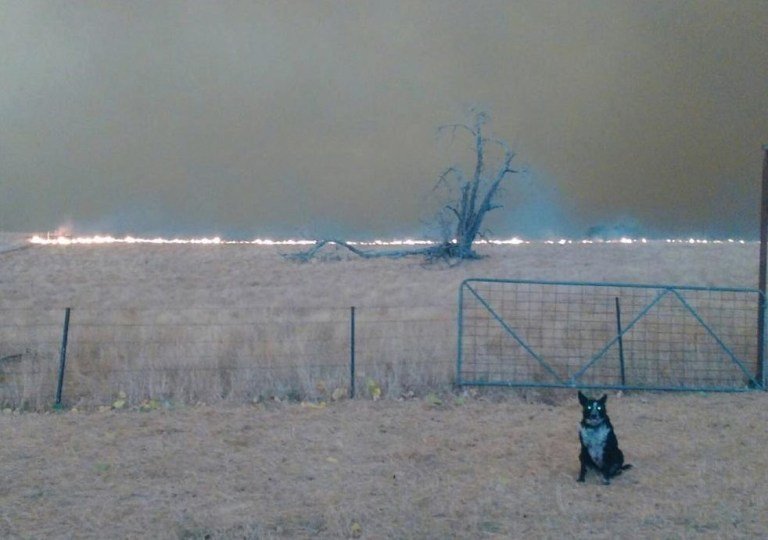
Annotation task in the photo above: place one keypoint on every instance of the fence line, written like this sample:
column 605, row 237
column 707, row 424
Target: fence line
column 235, row 354
column 191, row 354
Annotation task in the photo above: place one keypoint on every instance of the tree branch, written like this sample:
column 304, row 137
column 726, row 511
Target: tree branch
column 454, row 127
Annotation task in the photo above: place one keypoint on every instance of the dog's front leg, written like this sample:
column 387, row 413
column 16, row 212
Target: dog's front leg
column 582, row 472
column 606, row 477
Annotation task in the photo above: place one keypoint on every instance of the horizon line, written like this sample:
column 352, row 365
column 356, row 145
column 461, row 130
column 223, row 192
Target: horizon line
column 66, row 240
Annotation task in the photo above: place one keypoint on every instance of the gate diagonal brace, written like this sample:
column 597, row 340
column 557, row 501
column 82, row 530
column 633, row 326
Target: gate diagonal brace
column 574, row 379
column 514, row 335
column 719, row 341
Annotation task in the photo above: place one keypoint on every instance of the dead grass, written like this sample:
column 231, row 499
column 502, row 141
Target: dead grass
column 232, row 323
column 474, row 467
column 189, row 276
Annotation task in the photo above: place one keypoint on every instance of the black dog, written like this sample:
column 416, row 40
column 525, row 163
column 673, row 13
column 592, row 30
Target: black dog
column 599, row 446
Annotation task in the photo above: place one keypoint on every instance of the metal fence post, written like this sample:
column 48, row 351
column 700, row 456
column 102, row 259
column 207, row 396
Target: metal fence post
column 62, row 357
column 621, row 342
column 352, row 352
column 761, row 306
column 761, row 279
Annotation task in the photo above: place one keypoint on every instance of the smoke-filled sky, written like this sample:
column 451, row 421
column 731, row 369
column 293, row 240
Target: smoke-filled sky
column 320, row 117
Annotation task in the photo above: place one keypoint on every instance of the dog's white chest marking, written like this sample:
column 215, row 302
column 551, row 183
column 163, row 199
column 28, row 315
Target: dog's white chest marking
column 594, row 439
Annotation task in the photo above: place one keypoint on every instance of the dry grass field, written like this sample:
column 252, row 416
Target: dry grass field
column 465, row 468
column 437, row 464
column 199, row 276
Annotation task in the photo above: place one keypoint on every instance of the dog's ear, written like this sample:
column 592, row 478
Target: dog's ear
column 603, row 399
column 582, row 399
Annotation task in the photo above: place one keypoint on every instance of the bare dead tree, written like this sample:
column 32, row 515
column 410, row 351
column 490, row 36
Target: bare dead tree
column 477, row 195
column 461, row 218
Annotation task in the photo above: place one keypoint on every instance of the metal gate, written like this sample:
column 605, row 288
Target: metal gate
column 608, row 336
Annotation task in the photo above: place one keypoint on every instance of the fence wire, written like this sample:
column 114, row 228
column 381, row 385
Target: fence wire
column 209, row 355
column 608, row 335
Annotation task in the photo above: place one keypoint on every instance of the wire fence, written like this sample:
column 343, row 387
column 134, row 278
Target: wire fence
column 603, row 335
column 207, row 355
column 511, row 333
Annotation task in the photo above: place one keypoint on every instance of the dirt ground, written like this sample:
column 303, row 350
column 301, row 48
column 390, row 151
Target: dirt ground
column 499, row 465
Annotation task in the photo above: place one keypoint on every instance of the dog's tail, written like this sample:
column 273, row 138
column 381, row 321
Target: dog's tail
column 625, row 467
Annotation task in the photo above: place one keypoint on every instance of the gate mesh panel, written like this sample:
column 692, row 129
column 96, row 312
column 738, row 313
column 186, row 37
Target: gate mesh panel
column 607, row 335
